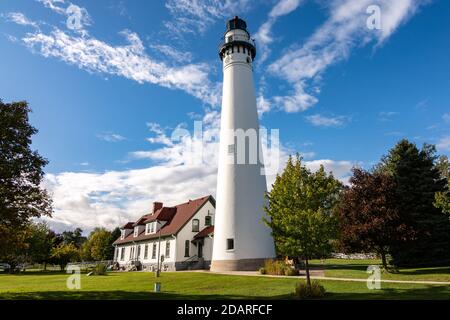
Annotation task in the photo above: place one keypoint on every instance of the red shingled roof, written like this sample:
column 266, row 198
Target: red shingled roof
column 204, row 233
column 128, row 225
column 176, row 216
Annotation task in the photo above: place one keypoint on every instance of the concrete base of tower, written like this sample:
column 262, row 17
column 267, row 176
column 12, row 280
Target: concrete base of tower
column 237, row 265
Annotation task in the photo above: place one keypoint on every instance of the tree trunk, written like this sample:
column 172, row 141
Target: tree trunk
column 308, row 278
column 383, row 259
column 45, row 266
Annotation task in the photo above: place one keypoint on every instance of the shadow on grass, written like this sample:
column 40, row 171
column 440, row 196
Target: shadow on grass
column 354, row 267
column 126, row 295
column 428, row 293
column 426, row 271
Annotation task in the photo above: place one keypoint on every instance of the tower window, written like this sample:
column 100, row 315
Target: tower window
column 230, row 244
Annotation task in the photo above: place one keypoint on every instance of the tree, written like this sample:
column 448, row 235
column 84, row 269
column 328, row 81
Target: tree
column 442, row 198
column 98, row 246
column 300, row 212
column 75, row 237
column 368, row 215
column 115, row 234
column 417, row 180
column 21, row 174
column 65, row 253
column 40, row 243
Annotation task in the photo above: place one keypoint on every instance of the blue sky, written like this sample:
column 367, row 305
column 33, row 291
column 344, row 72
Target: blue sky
column 108, row 93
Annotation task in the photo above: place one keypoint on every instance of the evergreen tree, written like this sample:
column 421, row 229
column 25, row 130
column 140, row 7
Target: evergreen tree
column 417, row 180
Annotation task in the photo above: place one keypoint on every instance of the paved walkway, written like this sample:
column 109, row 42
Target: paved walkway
column 315, row 274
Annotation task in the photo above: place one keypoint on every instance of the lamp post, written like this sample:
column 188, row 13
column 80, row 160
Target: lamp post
column 159, row 250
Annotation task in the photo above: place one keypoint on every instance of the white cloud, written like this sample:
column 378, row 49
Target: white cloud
column 264, row 35
column 193, row 16
column 340, row 169
column 129, row 61
column 77, row 17
column 172, row 53
column 323, row 121
column 446, row 117
column 109, row 199
column 54, row 5
column 263, row 105
column 334, row 40
column 386, row 116
column 110, row 137
column 444, row 144
column 21, row 19
column 298, row 101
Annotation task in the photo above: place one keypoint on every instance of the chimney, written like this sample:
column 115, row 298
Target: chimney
column 157, row 206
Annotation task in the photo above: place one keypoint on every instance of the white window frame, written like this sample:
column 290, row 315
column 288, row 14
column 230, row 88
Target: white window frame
column 136, row 231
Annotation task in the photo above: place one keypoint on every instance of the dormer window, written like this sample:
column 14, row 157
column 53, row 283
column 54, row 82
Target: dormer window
column 150, row 228
column 122, row 234
column 195, row 225
column 136, row 231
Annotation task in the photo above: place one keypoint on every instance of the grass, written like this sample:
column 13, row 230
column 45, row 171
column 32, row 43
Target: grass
column 356, row 269
column 195, row 285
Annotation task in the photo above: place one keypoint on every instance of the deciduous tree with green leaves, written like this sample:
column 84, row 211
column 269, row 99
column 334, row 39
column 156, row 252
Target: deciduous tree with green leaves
column 65, row 253
column 21, row 174
column 300, row 212
column 442, row 198
column 40, row 242
column 98, row 246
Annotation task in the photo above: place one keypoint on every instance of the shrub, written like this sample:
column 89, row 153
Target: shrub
column 288, row 271
column 303, row 292
column 274, row 267
column 100, row 269
column 262, row 270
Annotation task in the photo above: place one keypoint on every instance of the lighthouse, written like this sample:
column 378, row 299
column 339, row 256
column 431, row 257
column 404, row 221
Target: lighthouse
column 241, row 240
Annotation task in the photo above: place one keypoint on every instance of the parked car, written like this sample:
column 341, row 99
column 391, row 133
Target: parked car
column 4, row 266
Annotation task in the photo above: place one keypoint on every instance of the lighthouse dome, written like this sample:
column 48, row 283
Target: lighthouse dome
column 236, row 23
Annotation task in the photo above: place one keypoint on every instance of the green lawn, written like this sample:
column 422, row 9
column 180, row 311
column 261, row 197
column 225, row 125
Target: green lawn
column 343, row 268
column 194, row 285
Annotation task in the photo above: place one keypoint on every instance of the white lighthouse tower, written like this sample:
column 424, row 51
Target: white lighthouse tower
column 241, row 240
